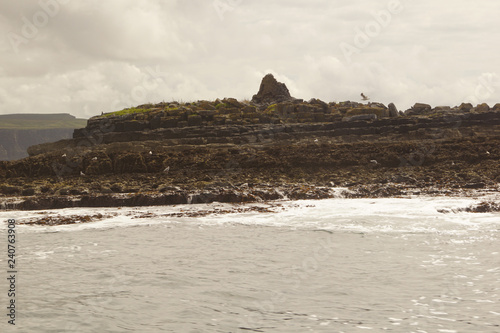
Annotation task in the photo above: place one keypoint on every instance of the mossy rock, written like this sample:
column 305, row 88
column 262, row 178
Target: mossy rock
column 194, row 120
column 483, row 107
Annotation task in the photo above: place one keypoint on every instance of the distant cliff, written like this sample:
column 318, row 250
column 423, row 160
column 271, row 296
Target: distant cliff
column 20, row 131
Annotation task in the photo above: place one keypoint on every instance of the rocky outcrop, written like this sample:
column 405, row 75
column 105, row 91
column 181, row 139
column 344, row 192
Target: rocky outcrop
column 393, row 111
column 238, row 151
column 271, row 91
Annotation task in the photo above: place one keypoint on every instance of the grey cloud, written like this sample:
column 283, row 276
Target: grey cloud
column 94, row 56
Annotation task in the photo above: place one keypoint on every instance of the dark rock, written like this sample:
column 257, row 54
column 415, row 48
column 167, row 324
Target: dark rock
column 475, row 185
column 130, row 163
column 465, row 107
column 10, row 190
column 285, row 109
column 441, row 109
column 99, row 165
column 233, row 103
column 194, row 120
column 116, row 188
column 482, row 108
column 360, row 117
column 393, row 111
column 271, row 91
column 28, row 192
column 419, row 109
column 496, row 107
column 377, row 105
column 319, row 103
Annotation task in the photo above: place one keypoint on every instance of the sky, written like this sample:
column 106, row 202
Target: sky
column 88, row 57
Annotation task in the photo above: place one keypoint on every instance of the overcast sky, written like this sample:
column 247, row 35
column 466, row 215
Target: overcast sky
column 84, row 57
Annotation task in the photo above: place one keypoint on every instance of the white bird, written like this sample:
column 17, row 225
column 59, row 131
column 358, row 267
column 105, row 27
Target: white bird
column 364, row 98
column 167, row 169
column 374, row 161
column 487, row 152
column 64, row 155
column 81, row 173
column 94, row 159
column 316, row 140
column 150, row 152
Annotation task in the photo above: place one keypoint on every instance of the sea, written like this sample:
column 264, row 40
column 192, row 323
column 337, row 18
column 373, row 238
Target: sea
column 415, row 264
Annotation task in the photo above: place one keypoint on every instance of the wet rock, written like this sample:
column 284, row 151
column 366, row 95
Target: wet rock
column 475, row 185
column 28, row 192
column 271, row 91
column 10, row 190
column 116, row 188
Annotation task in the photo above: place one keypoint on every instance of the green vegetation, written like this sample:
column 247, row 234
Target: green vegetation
column 271, row 108
column 221, row 105
column 126, row 111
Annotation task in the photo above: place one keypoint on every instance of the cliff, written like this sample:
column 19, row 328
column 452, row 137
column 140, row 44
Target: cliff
column 20, row 131
column 267, row 148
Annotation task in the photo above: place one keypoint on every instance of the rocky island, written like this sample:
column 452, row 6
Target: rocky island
column 272, row 147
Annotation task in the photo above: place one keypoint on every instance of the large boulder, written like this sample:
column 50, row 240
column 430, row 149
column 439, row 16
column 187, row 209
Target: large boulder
column 419, row 109
column 465, row 107
column 496, row 107
column 442, row 109
column 271, row 91
column 482, row 108
column 393, row 111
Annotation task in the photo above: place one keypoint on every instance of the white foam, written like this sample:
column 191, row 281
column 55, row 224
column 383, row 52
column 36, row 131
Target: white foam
column 388, row 215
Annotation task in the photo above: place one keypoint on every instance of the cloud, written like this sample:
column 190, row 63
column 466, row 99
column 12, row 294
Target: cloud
column 97, row 56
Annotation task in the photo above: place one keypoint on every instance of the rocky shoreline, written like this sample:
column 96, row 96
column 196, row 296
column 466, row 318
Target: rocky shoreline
column 271, row 148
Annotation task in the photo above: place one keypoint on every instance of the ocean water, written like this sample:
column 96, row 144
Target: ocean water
column 336, row 265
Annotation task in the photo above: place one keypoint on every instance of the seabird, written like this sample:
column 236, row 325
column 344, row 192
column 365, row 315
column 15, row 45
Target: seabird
column 167, row 169
column 316, row 140
column 364, row 98
column 150, row 152
column 487, row 152
column 64, row 155
column 81, row 173
column 94, row 159
column 374, row 161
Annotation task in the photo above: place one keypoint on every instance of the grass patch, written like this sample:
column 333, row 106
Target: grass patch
column 126, row 111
